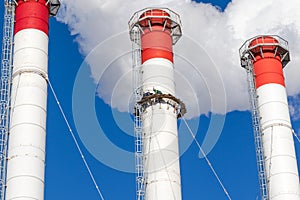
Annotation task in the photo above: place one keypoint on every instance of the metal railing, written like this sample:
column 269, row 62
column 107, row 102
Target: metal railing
column 149, row 13
column 261, row 41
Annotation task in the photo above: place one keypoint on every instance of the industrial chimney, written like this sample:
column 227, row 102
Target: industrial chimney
column 154, row 31
column 264, row 57
column 27, row 133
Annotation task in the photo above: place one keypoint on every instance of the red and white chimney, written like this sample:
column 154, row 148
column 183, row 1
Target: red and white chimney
column 269, row 55
column 27, row 133
column 159, row 30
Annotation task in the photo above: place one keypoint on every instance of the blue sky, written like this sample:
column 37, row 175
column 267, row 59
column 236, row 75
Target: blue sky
column 233, row 156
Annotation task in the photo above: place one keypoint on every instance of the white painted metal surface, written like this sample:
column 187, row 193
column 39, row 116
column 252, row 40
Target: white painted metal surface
column 161, row 154
column 158, row 73
column 280, row 159
column 26, row 154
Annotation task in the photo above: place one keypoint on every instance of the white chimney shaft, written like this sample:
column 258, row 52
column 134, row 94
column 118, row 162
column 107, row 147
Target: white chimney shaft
column 27, row 133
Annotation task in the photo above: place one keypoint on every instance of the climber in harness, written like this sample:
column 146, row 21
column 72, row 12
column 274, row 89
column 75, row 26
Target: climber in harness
column 157, row 91
column 159, row 99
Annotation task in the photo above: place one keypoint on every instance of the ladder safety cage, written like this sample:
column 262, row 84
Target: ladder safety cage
column 138, row 130
column 247, row 63
column 5, row 88
column 257, row 134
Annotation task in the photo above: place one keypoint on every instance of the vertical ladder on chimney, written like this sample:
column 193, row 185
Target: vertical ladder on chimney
column 138, row 95
column 257, row 131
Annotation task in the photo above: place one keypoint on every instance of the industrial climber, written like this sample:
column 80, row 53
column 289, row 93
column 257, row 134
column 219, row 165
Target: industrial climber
column 157, row 91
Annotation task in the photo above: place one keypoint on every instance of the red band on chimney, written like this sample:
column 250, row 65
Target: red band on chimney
column 267, row 66
column 32, row 14
column 156, row 36
column 156, row 44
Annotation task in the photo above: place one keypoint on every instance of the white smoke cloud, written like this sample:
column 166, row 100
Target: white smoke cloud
column 208, row 72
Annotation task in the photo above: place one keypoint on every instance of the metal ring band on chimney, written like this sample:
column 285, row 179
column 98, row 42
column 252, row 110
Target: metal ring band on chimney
column 177, row 103
column 35, row 71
